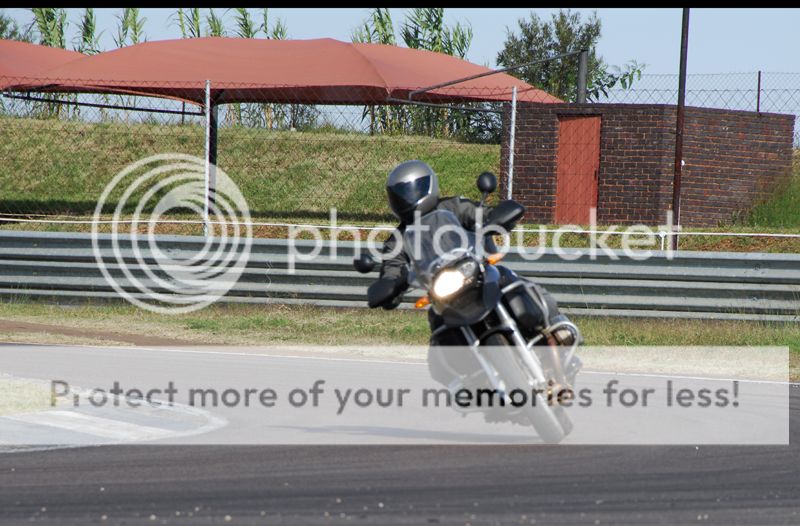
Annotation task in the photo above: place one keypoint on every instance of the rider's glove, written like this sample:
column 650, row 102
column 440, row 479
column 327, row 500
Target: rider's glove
column 394, row 303
column 386, row 292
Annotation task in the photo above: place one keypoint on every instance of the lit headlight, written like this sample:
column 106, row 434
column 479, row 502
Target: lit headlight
column 447, row 283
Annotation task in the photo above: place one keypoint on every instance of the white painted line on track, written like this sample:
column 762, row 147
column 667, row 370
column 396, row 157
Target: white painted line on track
column 92, row 425
column 339, row 359
column 683, row 377
column 361, row 360
column 418, row 361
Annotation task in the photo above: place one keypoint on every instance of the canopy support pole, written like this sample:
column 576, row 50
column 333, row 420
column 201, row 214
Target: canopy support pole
column 512, row 136
column 211, row 157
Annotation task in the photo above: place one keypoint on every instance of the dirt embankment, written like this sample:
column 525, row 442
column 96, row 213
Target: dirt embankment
column 9, row 326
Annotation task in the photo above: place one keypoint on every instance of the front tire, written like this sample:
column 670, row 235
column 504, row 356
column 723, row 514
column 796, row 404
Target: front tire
column 543, row 417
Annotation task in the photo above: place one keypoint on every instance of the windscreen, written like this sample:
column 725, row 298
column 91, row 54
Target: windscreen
column 434, row 240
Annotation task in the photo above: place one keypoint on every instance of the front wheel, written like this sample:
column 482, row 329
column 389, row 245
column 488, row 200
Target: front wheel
column 542, row 416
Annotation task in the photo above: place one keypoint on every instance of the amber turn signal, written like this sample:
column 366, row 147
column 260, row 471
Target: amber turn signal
column 423, row 302
column 495, row 258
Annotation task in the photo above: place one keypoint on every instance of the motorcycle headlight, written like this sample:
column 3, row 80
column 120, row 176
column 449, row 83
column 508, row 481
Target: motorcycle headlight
column 468, row 268
column 447, row 283
column 450, row 281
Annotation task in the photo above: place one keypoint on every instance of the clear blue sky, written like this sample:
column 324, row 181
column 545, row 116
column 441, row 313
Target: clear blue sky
column 721, row 40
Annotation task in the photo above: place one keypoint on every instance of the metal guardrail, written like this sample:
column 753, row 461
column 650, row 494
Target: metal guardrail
column 62, row 267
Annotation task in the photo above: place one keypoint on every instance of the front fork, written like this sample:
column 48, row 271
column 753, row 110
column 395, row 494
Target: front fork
column 525, row 352
column 509, row 327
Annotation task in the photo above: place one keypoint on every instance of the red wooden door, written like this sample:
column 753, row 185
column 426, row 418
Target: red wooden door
column 578, row 165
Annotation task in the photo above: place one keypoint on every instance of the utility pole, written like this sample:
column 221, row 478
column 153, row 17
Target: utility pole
column 676, row 183
column 583, row 70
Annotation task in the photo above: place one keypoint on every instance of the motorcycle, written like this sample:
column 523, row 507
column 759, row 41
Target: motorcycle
column 486, row 308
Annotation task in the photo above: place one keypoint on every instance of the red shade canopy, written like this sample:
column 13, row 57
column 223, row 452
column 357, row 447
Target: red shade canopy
column 20, row 59
column 320, row 71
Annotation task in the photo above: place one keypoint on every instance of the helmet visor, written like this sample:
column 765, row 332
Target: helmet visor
column 403, row 197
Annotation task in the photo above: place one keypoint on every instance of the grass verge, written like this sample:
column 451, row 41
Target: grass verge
column 22, row 396
column 284, row 324
column 277, row 171
column 783, row 209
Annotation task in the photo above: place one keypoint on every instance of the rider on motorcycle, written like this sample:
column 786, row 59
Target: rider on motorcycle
column 413, row 187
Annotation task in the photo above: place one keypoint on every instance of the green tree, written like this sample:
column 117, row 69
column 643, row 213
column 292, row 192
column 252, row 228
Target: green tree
column 52, row 26
column 88, row 41
column 245, row 26
column 279, row 31
column 10, row 30
column 423, row 28
column 376, row 29
column 262, row 115
column 215, row 26
column 188, row 21
column 565, row 32
column 130, row 29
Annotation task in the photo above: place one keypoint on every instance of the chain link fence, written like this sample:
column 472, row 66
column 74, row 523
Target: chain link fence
column 292, row 162
column 295, row 162
column 769, row 92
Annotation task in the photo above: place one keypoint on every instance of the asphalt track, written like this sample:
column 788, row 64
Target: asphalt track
column 489, row 484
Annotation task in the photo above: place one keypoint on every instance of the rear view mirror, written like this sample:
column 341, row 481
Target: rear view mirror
column 506, row 214
column 487, row 183
column 364, row 263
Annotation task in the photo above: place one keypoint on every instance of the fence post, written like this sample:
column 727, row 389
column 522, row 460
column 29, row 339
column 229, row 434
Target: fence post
column 758, row 93
column 583, row 70
column 511, row 139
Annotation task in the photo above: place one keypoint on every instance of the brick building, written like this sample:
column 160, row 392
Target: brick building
column 619, row 158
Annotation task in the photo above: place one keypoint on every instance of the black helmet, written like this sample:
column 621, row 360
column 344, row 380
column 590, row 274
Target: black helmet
column 412, row 186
